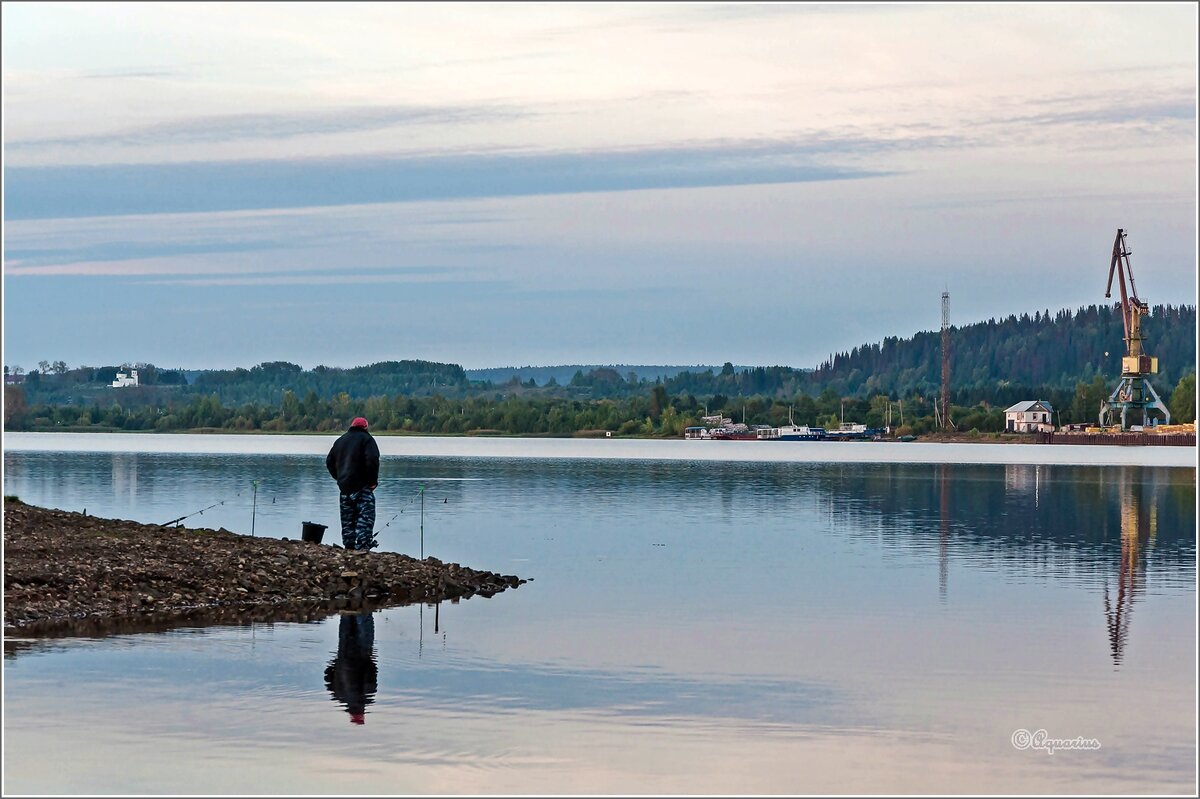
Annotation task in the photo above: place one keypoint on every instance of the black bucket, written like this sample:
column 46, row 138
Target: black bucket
column 313, row 532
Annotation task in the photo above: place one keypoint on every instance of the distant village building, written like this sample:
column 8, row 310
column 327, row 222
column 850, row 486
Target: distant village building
column 1031, row 416
column 124, row 380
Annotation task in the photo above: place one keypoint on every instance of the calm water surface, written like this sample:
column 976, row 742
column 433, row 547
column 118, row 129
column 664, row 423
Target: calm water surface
column 692, row 627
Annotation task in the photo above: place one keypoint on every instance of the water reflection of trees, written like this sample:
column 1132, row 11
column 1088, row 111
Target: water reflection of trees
column 1036, row 521
column 1058, row 519
column 1102, row 527
column 1014, row 506
column 1055, row 517
column 1024, row 512
column 1100, row 524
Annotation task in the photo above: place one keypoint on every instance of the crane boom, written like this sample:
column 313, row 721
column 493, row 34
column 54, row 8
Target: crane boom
column 1115, row 269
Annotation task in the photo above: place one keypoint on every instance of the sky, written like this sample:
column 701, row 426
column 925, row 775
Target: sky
column 211, row 185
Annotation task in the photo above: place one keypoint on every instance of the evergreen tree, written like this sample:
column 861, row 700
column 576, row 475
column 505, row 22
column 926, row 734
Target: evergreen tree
column 1183, row 400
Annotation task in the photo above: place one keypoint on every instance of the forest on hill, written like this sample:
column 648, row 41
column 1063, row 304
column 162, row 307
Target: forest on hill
column 1054, row 351
column 562, row 375
column 1005, row 359
column 1071, row 359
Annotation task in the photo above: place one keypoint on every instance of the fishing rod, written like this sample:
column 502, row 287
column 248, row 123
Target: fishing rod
column 396, row 515
column 419, row 493
column 194, row 513
column 215, row 504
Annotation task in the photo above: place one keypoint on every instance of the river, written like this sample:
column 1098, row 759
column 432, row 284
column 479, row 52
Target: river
column 703, row 617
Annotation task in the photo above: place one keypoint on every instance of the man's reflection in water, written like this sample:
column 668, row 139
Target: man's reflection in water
column 350, row 676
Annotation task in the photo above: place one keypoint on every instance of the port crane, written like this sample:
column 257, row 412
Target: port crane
column 1134, row 393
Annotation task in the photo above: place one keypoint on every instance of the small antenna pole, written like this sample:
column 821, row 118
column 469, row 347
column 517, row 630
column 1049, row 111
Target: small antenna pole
column 254, row 507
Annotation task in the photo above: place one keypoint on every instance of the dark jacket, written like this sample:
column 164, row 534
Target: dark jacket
column 354, row 460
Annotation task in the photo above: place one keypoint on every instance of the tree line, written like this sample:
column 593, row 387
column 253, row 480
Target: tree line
column 1044, row 353
column 656, row 413
column 1070, row 359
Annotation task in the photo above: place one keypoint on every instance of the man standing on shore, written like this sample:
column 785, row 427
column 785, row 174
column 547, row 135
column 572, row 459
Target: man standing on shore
column 354, row 463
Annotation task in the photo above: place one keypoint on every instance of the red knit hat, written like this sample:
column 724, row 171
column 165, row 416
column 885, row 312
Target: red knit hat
column 359, row 422
column 358, row 718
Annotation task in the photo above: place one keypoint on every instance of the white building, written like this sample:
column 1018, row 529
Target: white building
column 126, row 380
column 1031, row 416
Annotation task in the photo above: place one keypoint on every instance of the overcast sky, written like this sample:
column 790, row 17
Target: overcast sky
column 216, row 185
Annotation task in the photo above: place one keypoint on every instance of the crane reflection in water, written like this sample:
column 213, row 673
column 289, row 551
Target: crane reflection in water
column 1136, row 510
column 1139, row 526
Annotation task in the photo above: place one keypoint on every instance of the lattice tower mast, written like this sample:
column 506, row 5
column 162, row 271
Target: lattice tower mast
column 945, row 398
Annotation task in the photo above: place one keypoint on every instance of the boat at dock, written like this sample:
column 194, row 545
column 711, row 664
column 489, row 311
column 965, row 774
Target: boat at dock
column 736, row 432
column 852, row 432
column 732, row 433
column 794, row 432
column 790, row 432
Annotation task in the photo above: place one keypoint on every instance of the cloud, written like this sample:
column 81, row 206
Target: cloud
column 426, row 277
column 240, row 127
column 55, row 192
column 121, row 74
column 1090, row 122
column 756, row 11
column 28, row 260
column 684, row 18
column 1143, row 106
column 249, row 242
column 201, row 271
column 1143, row 113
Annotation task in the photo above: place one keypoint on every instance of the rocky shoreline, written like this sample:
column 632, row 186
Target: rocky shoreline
column 67, row 573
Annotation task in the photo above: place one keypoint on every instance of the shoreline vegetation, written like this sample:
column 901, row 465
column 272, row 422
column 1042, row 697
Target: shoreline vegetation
column 654, row 414
column 1069, row 359
column 70, row 573
column 940, row 436
column 932, row 437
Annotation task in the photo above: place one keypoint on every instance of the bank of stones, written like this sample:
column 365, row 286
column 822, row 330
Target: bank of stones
column 63, row 567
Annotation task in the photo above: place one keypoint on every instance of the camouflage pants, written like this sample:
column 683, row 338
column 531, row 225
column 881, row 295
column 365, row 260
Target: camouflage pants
column 358, row 519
